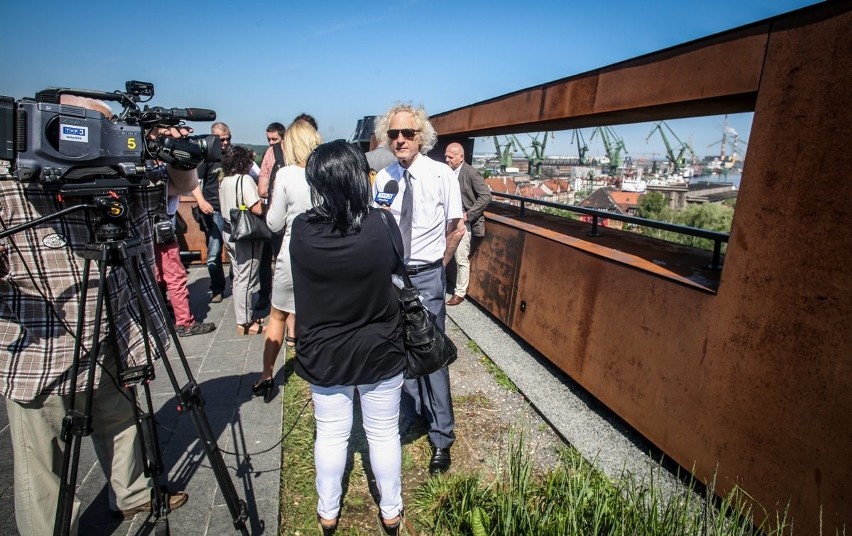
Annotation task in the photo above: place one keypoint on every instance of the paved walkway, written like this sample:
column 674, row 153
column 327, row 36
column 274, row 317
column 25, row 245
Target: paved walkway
column 225, row 366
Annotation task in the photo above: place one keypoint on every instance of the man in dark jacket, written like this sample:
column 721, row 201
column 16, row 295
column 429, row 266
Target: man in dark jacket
column 475, row 197
column 207, row 197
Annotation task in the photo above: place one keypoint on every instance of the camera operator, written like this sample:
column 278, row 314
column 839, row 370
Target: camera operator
column 40, row 287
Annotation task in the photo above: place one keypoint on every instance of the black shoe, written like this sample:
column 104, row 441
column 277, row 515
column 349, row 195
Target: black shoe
column 393, row 529
column 264, row 389
column 198, row 328
column 327, row 530
column 440, row 461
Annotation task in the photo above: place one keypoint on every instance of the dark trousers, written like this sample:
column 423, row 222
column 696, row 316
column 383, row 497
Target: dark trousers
column 429, row 396
column 267, row 260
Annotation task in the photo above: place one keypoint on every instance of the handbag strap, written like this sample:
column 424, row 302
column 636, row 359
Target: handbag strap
column 405, row 277
column 242, row 198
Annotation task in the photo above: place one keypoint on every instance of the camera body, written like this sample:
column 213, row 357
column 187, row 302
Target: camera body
column 68, row 147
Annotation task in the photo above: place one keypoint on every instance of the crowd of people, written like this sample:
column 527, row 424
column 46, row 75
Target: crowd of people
column 322, row 285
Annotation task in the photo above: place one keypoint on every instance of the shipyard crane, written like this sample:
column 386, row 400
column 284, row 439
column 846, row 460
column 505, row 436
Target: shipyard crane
column 504, row 153
column 729, row 135
column 675, row 155
column 613, row 145
column 536, row 159
column 582, row 148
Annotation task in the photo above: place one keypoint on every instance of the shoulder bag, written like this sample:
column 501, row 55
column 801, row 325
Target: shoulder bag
column 246, row 226
column 427, row 348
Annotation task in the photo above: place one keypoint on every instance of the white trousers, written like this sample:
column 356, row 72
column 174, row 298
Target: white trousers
column 380, row 413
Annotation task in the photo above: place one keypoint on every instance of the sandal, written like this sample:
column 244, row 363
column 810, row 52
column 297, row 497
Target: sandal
column 291, row 341
column 252, row 328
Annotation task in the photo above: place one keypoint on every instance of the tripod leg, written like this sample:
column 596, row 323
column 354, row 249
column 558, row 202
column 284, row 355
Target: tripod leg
column 190, row 399
column 77, row 424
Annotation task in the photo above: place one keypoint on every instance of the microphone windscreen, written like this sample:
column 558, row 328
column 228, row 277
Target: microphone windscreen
column 200, row 114
column 391, row 187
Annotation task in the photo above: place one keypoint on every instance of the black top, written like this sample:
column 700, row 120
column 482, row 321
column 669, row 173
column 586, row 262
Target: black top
column 209, row 174
column 347, row 309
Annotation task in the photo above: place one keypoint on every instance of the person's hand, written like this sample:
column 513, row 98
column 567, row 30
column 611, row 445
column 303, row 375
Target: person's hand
column 179, row 131
column 205, row 207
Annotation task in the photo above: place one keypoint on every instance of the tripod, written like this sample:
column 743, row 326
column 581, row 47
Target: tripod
column 113, row 248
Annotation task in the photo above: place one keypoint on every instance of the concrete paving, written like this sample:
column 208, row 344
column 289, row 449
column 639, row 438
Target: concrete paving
column 248, row 431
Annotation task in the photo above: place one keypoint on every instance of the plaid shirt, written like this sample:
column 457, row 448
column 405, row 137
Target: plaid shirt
column 41, row 276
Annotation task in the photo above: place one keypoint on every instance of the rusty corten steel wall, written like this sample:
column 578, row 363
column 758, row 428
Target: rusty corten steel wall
column 756, row 380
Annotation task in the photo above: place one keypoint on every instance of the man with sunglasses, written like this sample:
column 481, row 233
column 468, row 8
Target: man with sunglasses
column 428, row 209
column 207, row 196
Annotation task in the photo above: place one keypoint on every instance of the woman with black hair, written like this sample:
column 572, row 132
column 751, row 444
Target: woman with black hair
column 348, row 320
column 238, row 189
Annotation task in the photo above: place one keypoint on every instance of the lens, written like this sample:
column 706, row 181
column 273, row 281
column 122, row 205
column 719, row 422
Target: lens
column 407, row 133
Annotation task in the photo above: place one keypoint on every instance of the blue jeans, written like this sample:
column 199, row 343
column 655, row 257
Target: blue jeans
column 215, row 224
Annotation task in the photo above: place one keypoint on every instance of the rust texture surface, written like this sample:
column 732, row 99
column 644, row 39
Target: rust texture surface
column 642, row 89
column 754, row 381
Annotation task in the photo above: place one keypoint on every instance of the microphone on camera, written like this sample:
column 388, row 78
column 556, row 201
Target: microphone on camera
column 194, row 114
column 385, row 197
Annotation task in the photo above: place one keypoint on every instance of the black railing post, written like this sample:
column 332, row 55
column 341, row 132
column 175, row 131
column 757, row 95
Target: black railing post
column 594, row 231
column 717, row 255
column 522, row 210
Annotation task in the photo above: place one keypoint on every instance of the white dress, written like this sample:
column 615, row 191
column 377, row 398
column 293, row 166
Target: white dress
column 290, row 197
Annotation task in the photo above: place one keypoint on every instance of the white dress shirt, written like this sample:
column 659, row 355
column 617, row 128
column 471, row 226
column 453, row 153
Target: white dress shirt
column 437, row 201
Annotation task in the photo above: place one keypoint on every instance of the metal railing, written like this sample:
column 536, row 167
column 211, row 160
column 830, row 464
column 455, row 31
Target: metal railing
column 717, row 237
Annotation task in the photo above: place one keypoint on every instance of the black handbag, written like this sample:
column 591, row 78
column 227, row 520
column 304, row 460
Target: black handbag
column 245, row 226
column 427, row 348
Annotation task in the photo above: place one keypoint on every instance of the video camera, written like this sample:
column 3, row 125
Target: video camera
column 66, row 147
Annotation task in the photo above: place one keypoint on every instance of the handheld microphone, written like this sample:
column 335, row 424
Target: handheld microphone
column 386, row 197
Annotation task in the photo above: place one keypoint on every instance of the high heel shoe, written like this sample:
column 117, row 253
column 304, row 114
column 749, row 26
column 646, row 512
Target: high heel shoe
column 396, row 528
column 264, row 389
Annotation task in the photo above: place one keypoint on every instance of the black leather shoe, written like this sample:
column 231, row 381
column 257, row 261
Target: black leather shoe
column 440, row 461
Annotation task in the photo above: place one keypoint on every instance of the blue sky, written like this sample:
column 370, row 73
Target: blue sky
column 256, row 62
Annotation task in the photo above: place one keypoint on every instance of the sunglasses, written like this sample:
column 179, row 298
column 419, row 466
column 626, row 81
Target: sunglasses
column 407, row 133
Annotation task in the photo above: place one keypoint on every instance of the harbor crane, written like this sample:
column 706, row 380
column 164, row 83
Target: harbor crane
column 536, row 159
column 729, row 135
column 582, row 148
column 504, row 153
column 613, row 145
column 675, row 155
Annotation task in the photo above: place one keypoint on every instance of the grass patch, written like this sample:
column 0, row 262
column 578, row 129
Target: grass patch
column 497, row 373
column 575, row 499
column 298, row 492
column 483, row 497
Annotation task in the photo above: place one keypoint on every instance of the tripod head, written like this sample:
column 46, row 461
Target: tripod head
column 108, row 206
